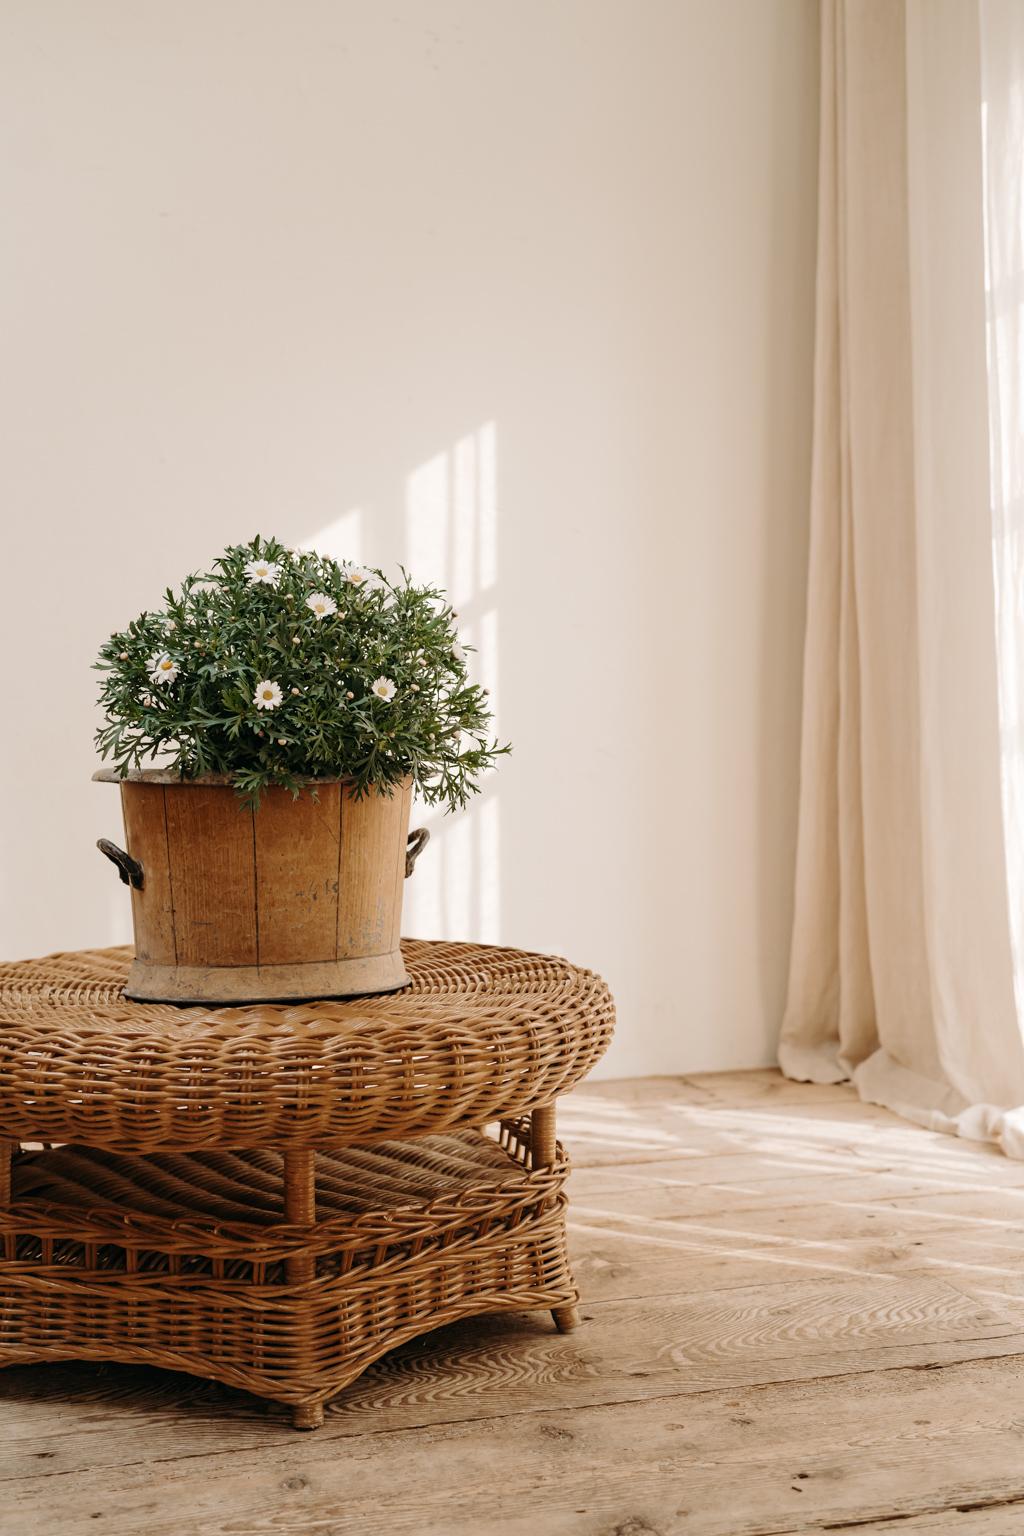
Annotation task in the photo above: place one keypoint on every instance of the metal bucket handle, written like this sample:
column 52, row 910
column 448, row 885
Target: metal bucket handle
column 129, row 869
column 418, row 840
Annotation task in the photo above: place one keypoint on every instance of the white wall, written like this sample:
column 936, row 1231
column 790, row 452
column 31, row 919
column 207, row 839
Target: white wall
column 517, row 291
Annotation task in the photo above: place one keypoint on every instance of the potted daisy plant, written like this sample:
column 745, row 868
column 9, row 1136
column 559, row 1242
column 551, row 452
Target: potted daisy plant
column 268, row 726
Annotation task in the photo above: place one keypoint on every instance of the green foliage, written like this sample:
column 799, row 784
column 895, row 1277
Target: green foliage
column 181, row 684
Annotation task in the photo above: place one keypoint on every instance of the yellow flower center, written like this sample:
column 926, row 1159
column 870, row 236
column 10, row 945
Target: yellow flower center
column 268, row 693
column 166, row 664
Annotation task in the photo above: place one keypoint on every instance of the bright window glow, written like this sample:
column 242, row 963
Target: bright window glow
column 448, row 535
column 451, row 538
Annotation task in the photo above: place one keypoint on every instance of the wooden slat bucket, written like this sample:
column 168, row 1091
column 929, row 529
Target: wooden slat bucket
column 299, row 899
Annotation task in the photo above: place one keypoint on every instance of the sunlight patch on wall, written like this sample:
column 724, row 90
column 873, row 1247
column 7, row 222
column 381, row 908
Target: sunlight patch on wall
column 341, row 539
column 426, row 521
column 451, row 539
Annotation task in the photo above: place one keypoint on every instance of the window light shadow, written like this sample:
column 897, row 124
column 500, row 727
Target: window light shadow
column 451, row 539
column 448, row 535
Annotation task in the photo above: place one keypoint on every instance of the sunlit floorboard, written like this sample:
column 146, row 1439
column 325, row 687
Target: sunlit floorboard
column 800, row 1314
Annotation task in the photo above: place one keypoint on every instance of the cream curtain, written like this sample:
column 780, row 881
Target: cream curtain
column 906, row 970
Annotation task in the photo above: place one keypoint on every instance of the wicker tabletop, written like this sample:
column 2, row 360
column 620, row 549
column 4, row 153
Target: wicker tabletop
column 275, row 1196
column 481, row 1034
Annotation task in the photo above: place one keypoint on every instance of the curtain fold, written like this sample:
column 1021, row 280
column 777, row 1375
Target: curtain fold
column 904, row 972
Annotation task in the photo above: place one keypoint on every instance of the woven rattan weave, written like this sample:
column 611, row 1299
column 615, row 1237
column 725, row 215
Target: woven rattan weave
column 233, row 1199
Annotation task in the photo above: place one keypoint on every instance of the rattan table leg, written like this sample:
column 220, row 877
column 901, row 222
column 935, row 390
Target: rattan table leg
column 542, row 1151
column 7, row 1149
column 300, row 1207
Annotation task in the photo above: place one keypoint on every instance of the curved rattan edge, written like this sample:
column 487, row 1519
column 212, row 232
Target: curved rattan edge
column 455, row 1051
column 254, row 1295
column 327, row 1383
column 57, row 1221
column 91, row 982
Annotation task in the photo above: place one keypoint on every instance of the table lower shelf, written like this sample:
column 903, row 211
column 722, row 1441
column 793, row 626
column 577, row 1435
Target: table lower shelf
column 185, row 1260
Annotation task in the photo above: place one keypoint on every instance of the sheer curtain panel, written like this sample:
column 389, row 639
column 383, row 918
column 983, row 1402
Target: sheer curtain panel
column 906, row 972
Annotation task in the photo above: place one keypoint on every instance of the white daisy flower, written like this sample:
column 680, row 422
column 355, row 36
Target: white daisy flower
column 267, row 695
column 361, row 576
column 321, row 605
column 163, row 668
column 265, row 572
column 384, row 688
column 458, row 651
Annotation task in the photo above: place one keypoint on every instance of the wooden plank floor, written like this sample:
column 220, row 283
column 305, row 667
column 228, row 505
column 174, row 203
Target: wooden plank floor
column 801, row 1314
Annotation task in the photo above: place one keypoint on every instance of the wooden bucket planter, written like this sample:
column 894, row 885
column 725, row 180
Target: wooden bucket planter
column 300, row 899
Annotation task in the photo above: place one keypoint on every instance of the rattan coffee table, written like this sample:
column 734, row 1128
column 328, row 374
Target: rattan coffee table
column 274, row 1196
